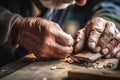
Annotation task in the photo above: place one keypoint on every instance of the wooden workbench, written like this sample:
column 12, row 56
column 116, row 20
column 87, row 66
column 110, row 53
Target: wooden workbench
column 29, row 68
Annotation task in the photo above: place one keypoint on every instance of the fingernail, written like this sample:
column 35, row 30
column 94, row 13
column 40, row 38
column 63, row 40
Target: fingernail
column 92, row 45
column 105, row 51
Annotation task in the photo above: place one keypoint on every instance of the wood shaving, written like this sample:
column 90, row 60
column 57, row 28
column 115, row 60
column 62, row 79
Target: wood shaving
column 108, row 65
column 69, row 60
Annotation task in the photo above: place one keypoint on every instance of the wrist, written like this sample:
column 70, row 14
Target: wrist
column 15, row 30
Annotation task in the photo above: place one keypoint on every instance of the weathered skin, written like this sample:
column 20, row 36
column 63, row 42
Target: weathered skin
column 101, row 36
column 42, row 37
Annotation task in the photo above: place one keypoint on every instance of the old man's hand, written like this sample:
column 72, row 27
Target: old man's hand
column 42, row 37
column 99, row 35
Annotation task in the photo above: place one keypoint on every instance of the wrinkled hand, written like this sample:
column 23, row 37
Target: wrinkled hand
column 99, row 35
column 42, row 37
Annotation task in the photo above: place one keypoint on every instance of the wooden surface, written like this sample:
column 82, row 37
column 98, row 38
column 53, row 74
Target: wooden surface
column 33, row 69
column 94, row 74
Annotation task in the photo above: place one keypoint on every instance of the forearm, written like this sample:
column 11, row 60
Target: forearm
column 6, row 22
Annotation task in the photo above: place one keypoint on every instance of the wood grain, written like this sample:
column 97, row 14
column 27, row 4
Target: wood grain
column 87, row 74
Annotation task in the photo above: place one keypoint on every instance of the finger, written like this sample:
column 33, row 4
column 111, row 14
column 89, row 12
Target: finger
column 117, row 47
column 110, row 47
column 80, row 40
column 107, row 41
column 97, row 49
column 118, row 55
column 108, row 53
column 93, row 39
column 63, row 38
column 60, row 36
column 108, row 56
column 117, row 36
column 111, row 52
column 61, row 51
column 98, row 26
column 57, row 25
column 108, row 34
column 57, row 51
column 116, row 50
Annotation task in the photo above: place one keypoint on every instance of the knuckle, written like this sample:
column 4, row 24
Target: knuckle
column 111, row 23
column 98, row 19
column 110, row 29
column 56, row 24
column 118, row 37
column 98, row 24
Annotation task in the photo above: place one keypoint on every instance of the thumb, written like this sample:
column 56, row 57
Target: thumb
column 64, row 38
column 80, row 40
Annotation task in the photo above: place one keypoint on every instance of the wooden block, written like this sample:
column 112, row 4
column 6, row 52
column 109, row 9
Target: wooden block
column 88, row 56
column 87, row 74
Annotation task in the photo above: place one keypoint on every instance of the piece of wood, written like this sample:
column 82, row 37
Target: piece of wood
column 87, row 74
column 41, row 70
column 88, row 56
